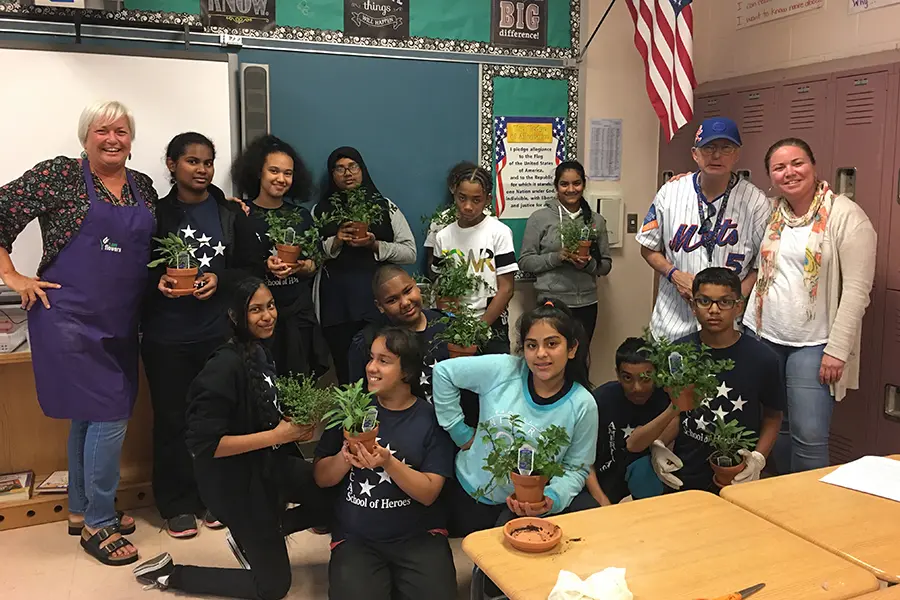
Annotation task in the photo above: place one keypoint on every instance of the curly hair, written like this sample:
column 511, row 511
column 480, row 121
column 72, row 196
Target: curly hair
column 246, row 172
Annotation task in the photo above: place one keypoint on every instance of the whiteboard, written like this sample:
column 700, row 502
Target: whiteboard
column 46, row 90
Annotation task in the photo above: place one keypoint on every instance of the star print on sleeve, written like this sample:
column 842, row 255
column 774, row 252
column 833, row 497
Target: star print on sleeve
column 187, row 232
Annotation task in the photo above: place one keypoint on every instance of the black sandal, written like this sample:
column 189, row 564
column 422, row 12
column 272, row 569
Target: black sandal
column 76, row 529
column 103, row 552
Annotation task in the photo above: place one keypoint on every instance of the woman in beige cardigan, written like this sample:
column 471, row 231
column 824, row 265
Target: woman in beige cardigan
column 816, row 266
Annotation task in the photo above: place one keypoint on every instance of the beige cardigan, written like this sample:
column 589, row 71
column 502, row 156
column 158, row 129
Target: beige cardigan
column 851, row 250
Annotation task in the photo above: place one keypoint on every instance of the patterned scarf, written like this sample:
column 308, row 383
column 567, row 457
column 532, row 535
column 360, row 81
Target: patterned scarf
column 783, row 216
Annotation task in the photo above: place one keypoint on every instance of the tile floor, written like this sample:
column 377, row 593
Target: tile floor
column 43, row 563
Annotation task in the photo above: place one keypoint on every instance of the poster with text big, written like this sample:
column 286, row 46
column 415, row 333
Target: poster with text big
column 520, row 24
column 377, row 18
column 527, row 152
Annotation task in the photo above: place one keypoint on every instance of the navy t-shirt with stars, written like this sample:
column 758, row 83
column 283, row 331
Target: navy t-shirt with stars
column 370, row 506
column 618, row 418
column 754, row 382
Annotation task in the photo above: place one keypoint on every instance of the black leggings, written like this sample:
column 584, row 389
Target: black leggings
column 339, row 338
column 421, row 567
column 587, row 315
column 261, row 537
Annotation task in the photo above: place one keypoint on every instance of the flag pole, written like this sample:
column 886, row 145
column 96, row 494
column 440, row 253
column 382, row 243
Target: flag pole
column 596, row 29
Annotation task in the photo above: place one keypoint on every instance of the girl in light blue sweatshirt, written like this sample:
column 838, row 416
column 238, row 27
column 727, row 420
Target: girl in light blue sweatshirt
column 547, row 385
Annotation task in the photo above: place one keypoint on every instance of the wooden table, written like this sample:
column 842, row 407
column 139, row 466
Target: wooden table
column 891, row 593
column 674, row 547
column 863, row 529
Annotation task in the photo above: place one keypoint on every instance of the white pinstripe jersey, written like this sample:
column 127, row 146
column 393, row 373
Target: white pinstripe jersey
column 672, row 226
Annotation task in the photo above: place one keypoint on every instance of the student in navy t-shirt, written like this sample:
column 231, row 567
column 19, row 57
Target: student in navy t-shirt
column 389, row 537
column 632, row 414
column 752, row 393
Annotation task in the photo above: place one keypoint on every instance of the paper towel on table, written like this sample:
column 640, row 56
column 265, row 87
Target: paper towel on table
column 608, row 584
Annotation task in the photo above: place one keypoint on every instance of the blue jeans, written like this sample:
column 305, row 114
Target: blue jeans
column 802, row 444
column 94, row 451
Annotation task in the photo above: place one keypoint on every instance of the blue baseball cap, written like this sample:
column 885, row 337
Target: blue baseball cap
column 717, row 128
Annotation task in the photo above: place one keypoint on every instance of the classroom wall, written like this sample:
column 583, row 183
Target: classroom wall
column 721, row 51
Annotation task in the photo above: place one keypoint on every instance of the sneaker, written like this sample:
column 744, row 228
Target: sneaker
column 210, row 521
column 155, row 572
column 236, row 550
column 182, row 526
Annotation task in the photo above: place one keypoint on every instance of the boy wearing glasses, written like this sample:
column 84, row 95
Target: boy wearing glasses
column 708, row 219
column 752, row 393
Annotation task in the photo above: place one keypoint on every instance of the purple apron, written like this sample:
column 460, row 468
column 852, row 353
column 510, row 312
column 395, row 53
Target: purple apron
column 84, row 350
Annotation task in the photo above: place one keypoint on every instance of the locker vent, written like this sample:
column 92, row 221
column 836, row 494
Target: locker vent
column 860, row 108
column 803, row 114
column 840, row 449
column 712, row 108
column 754, row 118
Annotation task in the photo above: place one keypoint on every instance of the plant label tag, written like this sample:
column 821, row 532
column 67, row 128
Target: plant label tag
column 585, row 233
column 184, row 260
column 290, row 237
column 526, row 460
column 676, row 363
column 371, row 419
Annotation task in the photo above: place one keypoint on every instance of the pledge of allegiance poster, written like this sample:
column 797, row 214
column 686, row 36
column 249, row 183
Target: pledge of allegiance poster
column 527, row 152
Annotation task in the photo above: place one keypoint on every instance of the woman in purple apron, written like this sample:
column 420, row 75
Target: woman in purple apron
column 96, row 220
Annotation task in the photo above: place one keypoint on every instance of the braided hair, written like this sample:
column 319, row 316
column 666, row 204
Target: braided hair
column 466, row 171
column 574, row 165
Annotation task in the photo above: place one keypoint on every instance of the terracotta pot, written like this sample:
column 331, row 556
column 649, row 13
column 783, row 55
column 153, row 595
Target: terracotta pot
column 361, row 229
column 584, row 248
column 447, row 304
column 289, row 254
column 532, row 534
column 307, row 432
column 723, row 476
column 184, row 280
column 367, row 439
column 529, row 488
column 457, row 351
column 686, row 400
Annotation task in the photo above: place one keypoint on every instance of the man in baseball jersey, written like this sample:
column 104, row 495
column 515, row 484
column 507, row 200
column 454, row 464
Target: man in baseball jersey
column 707, row 219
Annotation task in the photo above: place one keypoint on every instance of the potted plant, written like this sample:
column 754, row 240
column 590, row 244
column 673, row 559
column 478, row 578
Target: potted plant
column 577, row 237
column 512, row 457
column 727, row 439
column 178, row 256
column 686, row 372
column 356, row 413
column 303, row 403
column 454, row 281
column 426, row 288
column 283, row 233
column 355, row 208
column 441, row 217
column 465, row 333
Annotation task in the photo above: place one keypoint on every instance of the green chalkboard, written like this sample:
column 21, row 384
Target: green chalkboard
column 520, row 97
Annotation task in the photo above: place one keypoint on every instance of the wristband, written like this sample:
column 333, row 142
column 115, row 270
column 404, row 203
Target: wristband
column 670, row 273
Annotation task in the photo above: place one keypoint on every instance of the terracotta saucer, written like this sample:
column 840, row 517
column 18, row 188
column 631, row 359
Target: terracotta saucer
column 532, row 534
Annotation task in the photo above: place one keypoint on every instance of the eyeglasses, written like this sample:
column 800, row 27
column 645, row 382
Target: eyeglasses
column 721, row 303
column 342, row 170
column 726, row 150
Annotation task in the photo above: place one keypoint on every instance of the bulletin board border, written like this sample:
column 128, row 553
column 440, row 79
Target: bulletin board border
column 302, row 34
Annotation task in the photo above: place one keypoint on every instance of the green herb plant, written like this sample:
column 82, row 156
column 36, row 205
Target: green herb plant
column 441, row 217
column 465, row 328
column 572, row 231
column 279, row 221
column 354, row 206
column 351, row 406
column 426, row 289
column 302, row 401
column 503, row 457
column 727, row 439
column 454, row 279
column 170, row 248
column 698, row 369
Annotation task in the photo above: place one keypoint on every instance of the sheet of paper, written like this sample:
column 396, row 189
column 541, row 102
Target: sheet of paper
column 874, row 475
column 605, row 160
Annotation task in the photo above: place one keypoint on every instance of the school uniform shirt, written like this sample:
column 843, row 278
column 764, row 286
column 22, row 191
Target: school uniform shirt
column 486, row 247
column 289, row 290
column 433, row 350
column 370, row 506
column 502, row 384
column 737, row 223
column 618, row 417
column 754, row 382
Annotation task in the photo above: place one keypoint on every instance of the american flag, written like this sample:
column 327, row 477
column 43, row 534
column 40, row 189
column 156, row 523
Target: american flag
column 500, row 123
column 664, row 31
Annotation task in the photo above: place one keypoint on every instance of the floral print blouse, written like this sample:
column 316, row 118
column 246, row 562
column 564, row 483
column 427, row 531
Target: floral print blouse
column 54, row 193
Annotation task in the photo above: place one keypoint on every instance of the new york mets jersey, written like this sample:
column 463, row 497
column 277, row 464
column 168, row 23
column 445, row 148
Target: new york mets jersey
column 695, row 234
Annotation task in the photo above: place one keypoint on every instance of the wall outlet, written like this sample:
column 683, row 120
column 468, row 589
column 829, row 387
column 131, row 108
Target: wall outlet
column 228, row 39
column 632, row 223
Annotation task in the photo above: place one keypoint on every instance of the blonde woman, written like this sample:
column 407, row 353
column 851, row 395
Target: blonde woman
column 816, row 266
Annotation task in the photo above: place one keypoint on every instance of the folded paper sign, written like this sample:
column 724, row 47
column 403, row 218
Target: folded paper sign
column 608, row 584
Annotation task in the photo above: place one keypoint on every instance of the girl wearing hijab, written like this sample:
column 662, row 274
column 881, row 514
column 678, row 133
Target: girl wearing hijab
column 346, row 303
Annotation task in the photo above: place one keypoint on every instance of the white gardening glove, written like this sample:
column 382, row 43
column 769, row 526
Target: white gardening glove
column 665, row 462
column 755, row 463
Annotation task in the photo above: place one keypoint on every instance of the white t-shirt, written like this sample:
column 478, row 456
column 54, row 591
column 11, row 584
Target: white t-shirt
column 672, row 226
column 487, row 247
column 433, row 228
column 784, row 313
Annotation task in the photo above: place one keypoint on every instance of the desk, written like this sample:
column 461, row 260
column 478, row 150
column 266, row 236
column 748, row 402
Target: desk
column 861, row 528
column 674, row 547
column 892, row 593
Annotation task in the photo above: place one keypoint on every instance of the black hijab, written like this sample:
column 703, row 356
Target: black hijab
column 383, row 230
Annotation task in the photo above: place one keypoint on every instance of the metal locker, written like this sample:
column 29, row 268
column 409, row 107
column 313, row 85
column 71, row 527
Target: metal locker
column 887, row 396
column 804, row 112
column 858, row 159
column 757, row 122
column 675, row 156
